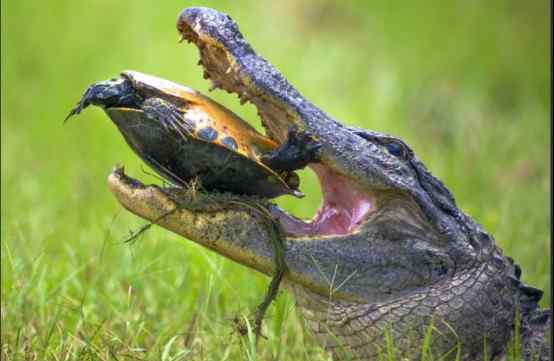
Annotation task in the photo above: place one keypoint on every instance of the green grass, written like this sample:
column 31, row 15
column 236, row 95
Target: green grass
column 466, row 84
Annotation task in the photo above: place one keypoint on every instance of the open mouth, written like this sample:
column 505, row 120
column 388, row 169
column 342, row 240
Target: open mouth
column 345, row 205
column 153, row 115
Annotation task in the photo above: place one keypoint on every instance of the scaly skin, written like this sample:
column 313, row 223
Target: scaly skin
column 416, row 260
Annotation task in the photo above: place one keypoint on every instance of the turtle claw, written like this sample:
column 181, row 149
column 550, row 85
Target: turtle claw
column 300, row 149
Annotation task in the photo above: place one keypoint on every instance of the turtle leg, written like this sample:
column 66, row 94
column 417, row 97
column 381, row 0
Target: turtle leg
column 168, row 115
column 300, row 148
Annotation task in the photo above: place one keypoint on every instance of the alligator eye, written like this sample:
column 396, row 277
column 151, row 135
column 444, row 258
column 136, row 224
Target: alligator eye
column 394, row 149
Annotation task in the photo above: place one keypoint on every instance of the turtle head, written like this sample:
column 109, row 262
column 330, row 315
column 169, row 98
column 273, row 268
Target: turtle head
column 134, row 102
column 116, row 92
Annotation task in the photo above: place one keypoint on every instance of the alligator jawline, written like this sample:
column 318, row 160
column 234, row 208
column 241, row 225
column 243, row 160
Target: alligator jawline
column 344, row 208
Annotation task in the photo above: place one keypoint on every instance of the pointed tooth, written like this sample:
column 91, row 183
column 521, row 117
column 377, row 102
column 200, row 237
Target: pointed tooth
column 228, row 70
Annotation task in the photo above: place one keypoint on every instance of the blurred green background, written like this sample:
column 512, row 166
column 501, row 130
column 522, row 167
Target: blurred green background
column 466, row 83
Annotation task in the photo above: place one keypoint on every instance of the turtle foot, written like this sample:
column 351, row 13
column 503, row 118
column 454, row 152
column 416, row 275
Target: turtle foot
column 300, row 149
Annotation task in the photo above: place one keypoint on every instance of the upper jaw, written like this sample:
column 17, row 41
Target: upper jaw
column 231, row 64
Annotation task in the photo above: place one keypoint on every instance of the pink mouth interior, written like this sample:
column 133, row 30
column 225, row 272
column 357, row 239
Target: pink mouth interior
column 343, row 209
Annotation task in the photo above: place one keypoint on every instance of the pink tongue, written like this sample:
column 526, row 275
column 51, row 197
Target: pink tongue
column 343, row 208
column 344, row 204
column 331, row 220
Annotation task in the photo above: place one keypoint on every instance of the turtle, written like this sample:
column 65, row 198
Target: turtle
column 184, row 135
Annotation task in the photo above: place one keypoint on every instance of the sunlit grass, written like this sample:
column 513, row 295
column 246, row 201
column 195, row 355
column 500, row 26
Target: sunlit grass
column 467, row 85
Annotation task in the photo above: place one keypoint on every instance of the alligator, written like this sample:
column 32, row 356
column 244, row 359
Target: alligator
column 388, row 257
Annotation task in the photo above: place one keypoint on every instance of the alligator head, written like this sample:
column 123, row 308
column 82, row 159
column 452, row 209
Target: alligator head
column 388, row 250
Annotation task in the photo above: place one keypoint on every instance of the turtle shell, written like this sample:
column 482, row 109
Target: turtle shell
column 183, row 135
column 211, row 121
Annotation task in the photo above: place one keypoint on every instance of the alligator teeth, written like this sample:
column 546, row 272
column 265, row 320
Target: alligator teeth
column 228, row 70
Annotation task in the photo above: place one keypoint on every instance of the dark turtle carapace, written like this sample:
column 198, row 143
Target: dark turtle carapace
column 183, row 134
